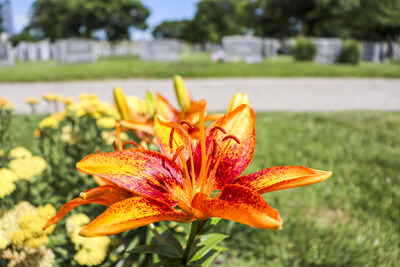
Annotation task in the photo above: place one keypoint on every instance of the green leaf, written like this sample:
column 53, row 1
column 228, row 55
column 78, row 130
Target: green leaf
column 207, row 243
column 170, row 238
column 207, row 259
column 209, row 224
column 159, row 249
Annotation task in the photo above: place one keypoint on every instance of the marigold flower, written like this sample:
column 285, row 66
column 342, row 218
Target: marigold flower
column 19, row 152
column 27, row 168
column 7, row 179
column 186, row 174
column 32, row 100
column 90, row 252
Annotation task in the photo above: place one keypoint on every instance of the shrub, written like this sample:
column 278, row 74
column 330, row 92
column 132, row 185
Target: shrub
column 351, row 52
column 304, row 50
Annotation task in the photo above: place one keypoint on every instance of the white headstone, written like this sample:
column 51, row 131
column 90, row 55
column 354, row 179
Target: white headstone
column 242, row 48
column 6, row 55
column 160, row 50
column 271, row 47
column 75, row 50
column 328, row 50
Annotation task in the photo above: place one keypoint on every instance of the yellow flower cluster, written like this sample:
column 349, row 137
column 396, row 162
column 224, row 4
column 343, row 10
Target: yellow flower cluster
column 91, row 251
column 52, row 121
column 22, row 226
column 110, row 137
column 6, row 104
column 68, row 136
column 41, row 257
column 19, row 152
column 106, row 122
column 91, row 105
column 26, row 166
column 7, row 185
column 139, row 106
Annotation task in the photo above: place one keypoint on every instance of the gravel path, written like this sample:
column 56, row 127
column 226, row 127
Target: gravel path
column 266, row 94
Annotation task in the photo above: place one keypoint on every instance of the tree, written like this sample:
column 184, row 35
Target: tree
column 75, row 18
column 214, row 19
column 170, row 29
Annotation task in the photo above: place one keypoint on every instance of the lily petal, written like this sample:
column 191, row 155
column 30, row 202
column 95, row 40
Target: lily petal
column 132, row 213
column 240, row 204
column 143, row 172
column 282, row 177
column 165, row 110
column 146, row 127
column 103, row 195
column 180, row 137
column 239, row 123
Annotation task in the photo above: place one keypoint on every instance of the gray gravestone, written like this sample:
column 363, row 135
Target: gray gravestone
column 6, row 55
column 374, row 51
column 394, row 50
column 271, row 47
column 328, row 50
column 242, row 48
column 160, row 50
column 43, row 50
column 27, row 51
column 75, row 50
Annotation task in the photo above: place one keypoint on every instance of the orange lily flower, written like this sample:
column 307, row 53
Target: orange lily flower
column 144, row 186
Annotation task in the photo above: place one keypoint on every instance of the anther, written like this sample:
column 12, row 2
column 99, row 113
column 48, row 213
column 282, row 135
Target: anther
column 115, row 146
column 133, row 143
column 218, row 128
column 187, row 124
column 178, row 151
column 98, row 151
column 171, row 135
column 230, row 136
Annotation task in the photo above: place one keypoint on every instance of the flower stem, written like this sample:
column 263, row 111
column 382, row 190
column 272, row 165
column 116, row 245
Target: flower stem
column 191, row 242
column 157, row 234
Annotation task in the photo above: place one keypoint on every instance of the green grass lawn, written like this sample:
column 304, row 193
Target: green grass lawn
column 189, row 66
column 351, row 219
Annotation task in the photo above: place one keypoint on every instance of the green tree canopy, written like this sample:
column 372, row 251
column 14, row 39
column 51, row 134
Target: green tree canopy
column 60, row 18
column 170, row 29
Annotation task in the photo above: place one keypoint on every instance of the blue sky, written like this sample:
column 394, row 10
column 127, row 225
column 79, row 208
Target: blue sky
column 160, row 10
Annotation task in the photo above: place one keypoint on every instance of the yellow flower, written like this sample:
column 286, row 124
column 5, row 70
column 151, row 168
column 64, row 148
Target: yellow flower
column 109, row 137
column 19, row 152
column 1, row 152
column 68, row 100
column 52, row 121
column 3, row 242
column 49, row 97
column 106, row 122
column 91, row 251
column 83, row 96
column 27, row 168
column 29, row 233
column 6, row 104
column 32, row 100
column 7, row 179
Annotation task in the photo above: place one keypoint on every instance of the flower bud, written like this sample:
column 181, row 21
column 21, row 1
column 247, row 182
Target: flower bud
column 122, row 105
column 181, row 93
column 150, row 102
column 237, row 100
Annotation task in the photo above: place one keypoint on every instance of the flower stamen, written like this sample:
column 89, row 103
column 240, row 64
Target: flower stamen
column 171, row 136
column 218, row 128
column 188, row 124
column 133, row 143
column 230, row 136
column 178, row 151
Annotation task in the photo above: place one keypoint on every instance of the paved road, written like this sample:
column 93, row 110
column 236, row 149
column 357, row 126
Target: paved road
column 266, row 94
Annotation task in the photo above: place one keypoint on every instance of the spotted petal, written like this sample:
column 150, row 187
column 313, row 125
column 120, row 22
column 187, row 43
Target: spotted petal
column 239, row 123
column 103, row 195
column 239, row 204
column 282, row 177
column 132, row 213
column 143, row 172
column 170, row 136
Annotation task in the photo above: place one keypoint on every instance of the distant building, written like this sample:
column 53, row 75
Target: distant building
column 6, row 14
